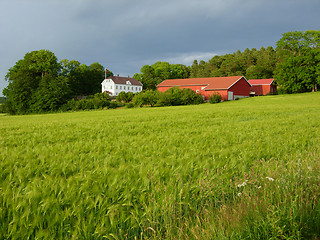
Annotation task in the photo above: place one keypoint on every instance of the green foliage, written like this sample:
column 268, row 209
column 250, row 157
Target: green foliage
column 129, row 105
column 2, row 108
column 215, row 98
column 125, row 97
column 176, row 96
column 299, row 60
column 171, row 97
column 50, row 95
column 97, row 101
column 38, row 83
column 250, row 63
column 83, row 80
column 151, row 76
column 25, row 77
column 246, row 169
column 148, row 97
column 2, row 99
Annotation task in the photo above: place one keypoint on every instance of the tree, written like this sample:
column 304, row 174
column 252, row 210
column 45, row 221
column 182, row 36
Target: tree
column 52, row 93
column 38, row 82
column 83, row 79
column 298, row 67
column 151, row 76
column 147, row 77
column 25, row 76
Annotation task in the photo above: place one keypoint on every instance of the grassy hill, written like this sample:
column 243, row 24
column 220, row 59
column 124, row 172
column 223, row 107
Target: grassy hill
column 240, row 169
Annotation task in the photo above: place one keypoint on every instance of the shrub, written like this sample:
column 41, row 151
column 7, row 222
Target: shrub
column 172, row 97
column 149, row 97
column 215, row 98
column 191, row 97
column 97, row 101
column 129, row 105
column 113, row 105
column 2, row 108
column 176, row 96
column 125, row 97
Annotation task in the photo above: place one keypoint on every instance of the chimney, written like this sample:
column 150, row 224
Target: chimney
column 117, row 75
column 128, row 76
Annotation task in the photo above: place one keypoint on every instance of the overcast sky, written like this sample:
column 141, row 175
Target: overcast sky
column 124, row 35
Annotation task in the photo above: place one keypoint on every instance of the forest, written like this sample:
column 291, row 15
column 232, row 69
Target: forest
column 41, row 83
column 294, row 64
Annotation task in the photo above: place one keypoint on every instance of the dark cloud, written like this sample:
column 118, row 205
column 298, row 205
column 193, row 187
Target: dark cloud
column 123, row 35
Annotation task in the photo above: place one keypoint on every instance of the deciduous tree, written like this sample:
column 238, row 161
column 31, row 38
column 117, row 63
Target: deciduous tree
column 25, row 76
column 298, row 67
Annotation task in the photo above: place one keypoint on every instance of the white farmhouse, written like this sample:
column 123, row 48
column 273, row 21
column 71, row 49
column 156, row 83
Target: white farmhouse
column 115, row 84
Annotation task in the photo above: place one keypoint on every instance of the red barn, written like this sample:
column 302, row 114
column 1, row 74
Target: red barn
column 263, row 86
column 229, row 88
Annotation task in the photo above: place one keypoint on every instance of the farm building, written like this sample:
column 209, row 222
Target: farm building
column 262, row 86
column 229, row 88
column 115, row 84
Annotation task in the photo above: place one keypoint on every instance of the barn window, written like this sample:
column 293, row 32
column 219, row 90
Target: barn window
column 197, row 91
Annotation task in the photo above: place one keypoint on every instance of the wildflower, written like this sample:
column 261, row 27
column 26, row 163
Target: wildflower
column 242, row 184
column 259, row 187
column 270, row 179
column 239, row 194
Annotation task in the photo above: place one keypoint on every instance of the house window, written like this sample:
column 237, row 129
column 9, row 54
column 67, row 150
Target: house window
column 120, row 87
column 124, row 87
column 197, row 91
column 136, row 88
column 110, row 87
column 116, row 87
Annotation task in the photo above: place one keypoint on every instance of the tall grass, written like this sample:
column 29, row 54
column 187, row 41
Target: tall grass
column 247, row 169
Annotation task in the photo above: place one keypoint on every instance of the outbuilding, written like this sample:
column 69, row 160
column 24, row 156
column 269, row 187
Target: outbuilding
column 263, row 86
column 230, row 88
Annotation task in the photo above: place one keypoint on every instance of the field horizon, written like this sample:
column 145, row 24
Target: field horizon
column 238, row 169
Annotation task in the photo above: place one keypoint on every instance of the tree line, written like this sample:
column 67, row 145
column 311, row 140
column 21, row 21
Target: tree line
column 39, row 83
column 294, row 64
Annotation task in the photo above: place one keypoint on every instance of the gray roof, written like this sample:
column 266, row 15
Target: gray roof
column 123, row 80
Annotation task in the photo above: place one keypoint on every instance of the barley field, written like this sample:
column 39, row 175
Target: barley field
column 246, row 169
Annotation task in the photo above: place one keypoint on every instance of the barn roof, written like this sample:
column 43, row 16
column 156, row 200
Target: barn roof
column 123, row 80
column 261, row 81
column 210, row 83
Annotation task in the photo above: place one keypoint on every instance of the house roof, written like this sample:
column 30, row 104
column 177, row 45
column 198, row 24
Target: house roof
column 123, row 80
column 261, row 81
column 210, row 83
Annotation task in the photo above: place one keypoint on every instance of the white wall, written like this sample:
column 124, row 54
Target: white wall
column 115, row 89
column 127, row 88
column 108, row 85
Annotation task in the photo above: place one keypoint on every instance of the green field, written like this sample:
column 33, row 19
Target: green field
column 246, row 169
